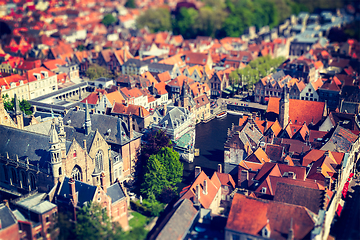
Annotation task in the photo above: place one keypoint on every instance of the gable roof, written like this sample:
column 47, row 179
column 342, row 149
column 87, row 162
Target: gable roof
column 115, row 96
column 6, row 216
column 178, row 222
column 250, row 216
column 115, row 192
column 205, row 199
column 300, row 111
column 224, row 178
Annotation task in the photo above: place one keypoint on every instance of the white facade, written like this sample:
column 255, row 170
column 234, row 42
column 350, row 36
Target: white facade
column 309, row 93
column 43, row 86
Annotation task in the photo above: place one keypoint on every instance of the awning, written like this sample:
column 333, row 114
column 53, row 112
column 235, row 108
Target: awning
column 338, row 210
column 225, row 91
column 266, row 99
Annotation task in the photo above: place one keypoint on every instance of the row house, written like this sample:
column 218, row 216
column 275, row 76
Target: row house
column 15, row 84
column 118, row 58
column 198, row 73
column 304, row 70
column 41, row 82
column 135, row 96
column 202, row 108
column 218, row 83
column 310, row 91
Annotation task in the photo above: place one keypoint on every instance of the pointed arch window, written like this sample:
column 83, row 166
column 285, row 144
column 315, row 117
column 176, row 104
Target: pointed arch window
column 76, row 173
column 99, row 160
column 23, row 179
column 32, row 181
column 14, row 176
column 6, row 175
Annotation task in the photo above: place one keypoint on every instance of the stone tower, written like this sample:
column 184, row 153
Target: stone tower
column 62, row 136
column 55, row 152
column 184, row 97
column 87, row 120
column 19, row 119
column 284, row 108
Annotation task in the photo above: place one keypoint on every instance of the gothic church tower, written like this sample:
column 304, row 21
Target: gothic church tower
column 284, row 108
column 55, row 152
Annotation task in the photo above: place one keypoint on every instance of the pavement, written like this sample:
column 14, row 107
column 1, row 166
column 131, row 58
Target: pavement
column 347, row 226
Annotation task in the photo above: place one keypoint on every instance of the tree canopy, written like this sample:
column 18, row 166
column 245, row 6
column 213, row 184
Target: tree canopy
column 95, row 71
column 155, row 19
column 108, row 20
column 25, row 106
column 130, row 4
column 92, row 223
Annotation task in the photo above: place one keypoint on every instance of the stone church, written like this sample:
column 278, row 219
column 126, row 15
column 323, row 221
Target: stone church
column 31, row 160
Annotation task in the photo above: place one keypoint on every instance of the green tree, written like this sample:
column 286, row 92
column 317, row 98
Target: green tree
column 170, row 159
column 8, row 103
column 108, row 20
column 95, row 71
column 25, row 107
column 93, row 222
column 184, row 22
column 155, row 19
column 130, row 4
column 155, row 178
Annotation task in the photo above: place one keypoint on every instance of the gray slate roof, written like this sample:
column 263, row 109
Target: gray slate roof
column 85, row 191
column 115, row 192
column 36, row 203
column 179, row 222
column 175, row 116
column 102, row 123
column 25, row 144
column 6, row 217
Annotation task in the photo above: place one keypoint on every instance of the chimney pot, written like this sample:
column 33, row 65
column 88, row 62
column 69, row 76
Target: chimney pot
column 197, row 170
column 73, row 191
column 219, row 169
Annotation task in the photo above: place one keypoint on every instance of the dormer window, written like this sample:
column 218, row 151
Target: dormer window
column 263, row 190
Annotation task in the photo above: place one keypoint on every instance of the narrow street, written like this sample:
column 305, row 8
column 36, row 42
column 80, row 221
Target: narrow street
column 347, row 225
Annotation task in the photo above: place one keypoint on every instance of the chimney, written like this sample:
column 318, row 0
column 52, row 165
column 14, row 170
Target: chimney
column 131, row 131
column 291, row 231
column 328, row 182
column 6, row 202
column 219, row 168
column 198, row 191
column 197, row 171
column 205, row 187
column 164, row 110
column 102, row 181
column 92, row 111
column 84, row 141
column 243, row 179
column 72, row 191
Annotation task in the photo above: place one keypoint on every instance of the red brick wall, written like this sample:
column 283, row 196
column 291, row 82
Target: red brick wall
column 119, row 213
column 10, row 233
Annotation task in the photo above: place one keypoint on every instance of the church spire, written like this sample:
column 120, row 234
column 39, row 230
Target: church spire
column 87, row 120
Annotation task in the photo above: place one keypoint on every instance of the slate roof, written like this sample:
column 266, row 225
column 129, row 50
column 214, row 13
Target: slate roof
column 6, row 217
column 178, row 222
column 26, row 144
column 85, row 192
column 115, row 192
column 119, row 133
column 250, row 216
column 175, row 116
column 313, row 199
column 36, row 203
column 341, row 140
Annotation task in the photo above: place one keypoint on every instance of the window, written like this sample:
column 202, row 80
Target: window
column 74, row 153
column 5, row 173
column 76, row 173
column 60, row 172
column 235, row 237
column 32, row 181
column 14, row 176
column 23, row 179
column 47, row 219
column 309, row 89
column 263, row 190
column 99, row 160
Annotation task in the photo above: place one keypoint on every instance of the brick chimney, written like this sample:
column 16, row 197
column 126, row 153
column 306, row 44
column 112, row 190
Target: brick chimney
column 131, row 131
column 102, row 181
column 205, row 187
column 164, row 110
column 219, row 168
column 243, row 178
column 197, row 170
column 72, row 191
column 198, row 191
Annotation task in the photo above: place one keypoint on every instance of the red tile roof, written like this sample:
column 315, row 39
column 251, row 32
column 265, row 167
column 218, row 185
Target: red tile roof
column 248, row 215
column 300, row 111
